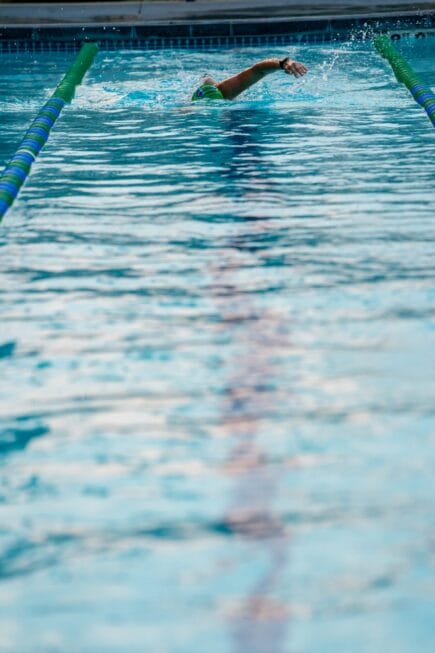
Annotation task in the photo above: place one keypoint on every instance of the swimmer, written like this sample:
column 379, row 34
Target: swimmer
column 232, row 87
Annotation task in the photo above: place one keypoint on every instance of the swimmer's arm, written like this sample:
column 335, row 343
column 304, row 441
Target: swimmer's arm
column 233, row 86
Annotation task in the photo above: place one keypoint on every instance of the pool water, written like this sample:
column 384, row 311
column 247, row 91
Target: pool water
column 217, row 359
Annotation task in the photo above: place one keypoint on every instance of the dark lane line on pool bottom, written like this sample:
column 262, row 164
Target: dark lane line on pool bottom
column 259, row 622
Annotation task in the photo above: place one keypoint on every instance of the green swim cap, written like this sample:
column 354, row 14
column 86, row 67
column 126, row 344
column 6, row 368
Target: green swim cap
column 207, row 92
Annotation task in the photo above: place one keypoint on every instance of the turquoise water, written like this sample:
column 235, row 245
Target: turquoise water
column 217, row 360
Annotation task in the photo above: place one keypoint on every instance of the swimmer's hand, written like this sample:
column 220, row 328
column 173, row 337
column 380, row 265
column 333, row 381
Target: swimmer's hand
column 293, row 67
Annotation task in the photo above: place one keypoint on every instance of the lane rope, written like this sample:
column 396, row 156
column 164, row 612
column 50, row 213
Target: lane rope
column 18, row 168
column 420, row 91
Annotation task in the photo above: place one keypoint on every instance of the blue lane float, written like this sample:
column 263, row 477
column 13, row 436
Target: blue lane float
column 18, row 168
column 420, row 91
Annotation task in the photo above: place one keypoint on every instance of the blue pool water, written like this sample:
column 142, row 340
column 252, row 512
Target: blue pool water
column 217, row 360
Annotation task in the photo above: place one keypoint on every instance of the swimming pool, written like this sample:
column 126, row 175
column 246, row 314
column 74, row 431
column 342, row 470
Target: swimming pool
column 217, row 360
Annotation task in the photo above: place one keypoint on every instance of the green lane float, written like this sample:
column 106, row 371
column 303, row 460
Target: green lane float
column 18, row 168
column 420, row 91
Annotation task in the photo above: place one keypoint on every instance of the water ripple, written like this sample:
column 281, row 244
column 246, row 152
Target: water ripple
column 217, row 336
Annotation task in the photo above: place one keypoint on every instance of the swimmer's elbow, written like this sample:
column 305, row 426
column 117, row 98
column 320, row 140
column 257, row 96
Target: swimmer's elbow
column 259, row 70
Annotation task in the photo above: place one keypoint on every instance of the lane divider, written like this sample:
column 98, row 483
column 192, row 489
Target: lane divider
column 419, row 90
column 18, row 168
